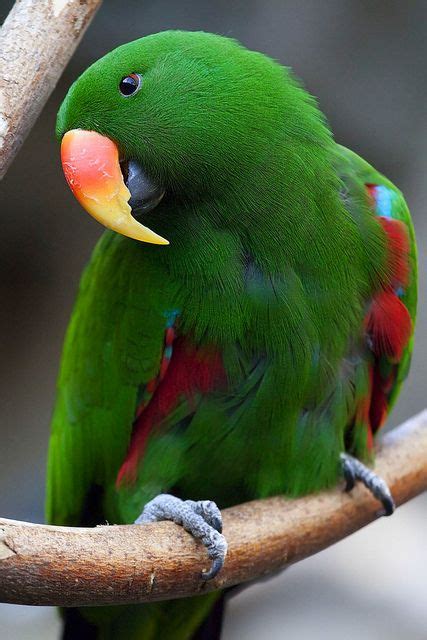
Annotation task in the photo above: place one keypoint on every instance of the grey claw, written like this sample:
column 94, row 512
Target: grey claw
column 388, row 504
column 209, row 512
column 216, row 546
column 354, row 470
column 202, row 519
column 217, row 524
column 349, row 476
column 216, row 566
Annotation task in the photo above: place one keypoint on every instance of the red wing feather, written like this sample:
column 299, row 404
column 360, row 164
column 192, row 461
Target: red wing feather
column 190, row 373
column 388, row 323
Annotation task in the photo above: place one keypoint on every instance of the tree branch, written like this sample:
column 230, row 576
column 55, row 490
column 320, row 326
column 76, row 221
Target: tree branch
column 65, row 566
column 37, row 40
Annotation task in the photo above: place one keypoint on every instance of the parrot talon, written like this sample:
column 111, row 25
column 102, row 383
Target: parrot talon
column 216, row 566
column 348, row 472
column 209, row 512
column 202, row 519
column 354, row 470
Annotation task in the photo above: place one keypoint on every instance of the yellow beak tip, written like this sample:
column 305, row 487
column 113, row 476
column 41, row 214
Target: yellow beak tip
column 92, row 169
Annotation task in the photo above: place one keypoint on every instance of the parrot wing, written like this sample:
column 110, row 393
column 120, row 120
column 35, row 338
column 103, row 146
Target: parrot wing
column 390, row 317
column 124, row 373
column 117, row 348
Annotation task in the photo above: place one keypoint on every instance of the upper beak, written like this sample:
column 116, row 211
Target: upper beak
column 91, row 166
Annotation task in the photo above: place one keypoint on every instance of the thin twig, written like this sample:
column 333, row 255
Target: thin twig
column 37, row 40
column 124, row 564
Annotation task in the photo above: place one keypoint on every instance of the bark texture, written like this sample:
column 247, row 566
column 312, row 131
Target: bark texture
column 37, row 40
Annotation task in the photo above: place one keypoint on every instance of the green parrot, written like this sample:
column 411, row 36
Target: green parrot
column 244, row 326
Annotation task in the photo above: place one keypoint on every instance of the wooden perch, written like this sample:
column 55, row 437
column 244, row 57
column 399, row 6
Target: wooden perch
column 65, row 566
column 37, row 40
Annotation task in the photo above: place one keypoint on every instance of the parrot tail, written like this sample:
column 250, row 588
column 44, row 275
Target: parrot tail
column 76, row 626
column 211, row 627
column 198, row 618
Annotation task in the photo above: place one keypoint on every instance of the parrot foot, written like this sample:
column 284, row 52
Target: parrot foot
column 202, row 519
column 354, row 470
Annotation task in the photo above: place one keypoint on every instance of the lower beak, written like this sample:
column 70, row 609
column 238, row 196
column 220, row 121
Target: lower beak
column 91, row 166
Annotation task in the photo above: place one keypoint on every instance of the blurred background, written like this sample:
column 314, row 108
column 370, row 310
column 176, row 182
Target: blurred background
column 365, row 61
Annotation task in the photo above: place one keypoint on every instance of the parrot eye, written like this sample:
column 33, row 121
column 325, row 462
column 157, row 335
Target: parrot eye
column 130, row 84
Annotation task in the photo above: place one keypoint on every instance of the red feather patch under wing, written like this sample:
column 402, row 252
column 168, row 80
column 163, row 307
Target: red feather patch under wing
column 389, row 325
column 191, row 372
column 398, row 250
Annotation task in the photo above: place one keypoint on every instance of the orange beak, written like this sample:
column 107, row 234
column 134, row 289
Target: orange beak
column 91, row 166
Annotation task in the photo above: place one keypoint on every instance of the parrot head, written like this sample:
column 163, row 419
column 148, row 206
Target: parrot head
column 179, row 116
